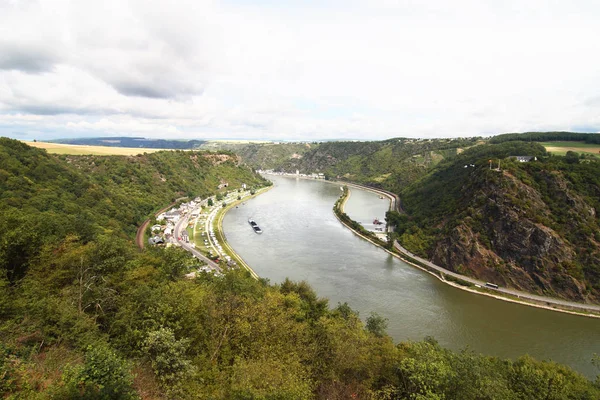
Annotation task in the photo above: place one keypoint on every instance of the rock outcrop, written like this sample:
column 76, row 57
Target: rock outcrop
column 508, row 237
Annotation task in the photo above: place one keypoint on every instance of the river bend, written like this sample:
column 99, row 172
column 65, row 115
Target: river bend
column 303, row 240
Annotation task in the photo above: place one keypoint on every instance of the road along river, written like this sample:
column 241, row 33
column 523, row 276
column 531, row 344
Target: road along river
column 303, row 240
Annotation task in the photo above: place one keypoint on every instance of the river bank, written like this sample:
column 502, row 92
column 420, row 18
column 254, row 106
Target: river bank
column 456, row 280
column 217, row 225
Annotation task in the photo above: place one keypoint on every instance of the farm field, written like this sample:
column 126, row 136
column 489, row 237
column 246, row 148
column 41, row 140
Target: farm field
column 58, row 148
column 561, row 148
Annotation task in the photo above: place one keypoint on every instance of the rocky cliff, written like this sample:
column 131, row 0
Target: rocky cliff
column 530, row 226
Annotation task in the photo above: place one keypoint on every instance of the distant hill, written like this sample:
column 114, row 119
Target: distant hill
column 263, row 155
column 133, row 142
column 547, row 137
column 391, row 164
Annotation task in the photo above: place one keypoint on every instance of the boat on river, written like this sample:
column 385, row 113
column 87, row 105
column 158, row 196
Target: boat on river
column 254, row 226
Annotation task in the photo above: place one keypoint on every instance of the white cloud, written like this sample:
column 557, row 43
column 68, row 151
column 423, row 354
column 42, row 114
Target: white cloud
column 355, row 69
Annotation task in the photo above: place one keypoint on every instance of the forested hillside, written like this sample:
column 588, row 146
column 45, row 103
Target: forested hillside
column 390, row 164
column 85, row 315
column 45, row 198
column 531, row 225
column 263, row 155
column 148, row 180
column 546, row 137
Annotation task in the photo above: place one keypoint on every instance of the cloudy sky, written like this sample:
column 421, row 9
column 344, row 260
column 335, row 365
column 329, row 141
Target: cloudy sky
column 297, row 69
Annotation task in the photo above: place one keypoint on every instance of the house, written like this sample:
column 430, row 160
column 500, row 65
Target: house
column 524, row 158
column 222, row 185
column 156, row 228
column 172, row 215
column 156, row 240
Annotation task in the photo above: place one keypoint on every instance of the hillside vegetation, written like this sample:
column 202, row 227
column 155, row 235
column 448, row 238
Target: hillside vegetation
column 45, row 198
column 85, row 315
column 530, row 225
column 390, row 164
column 264, row 155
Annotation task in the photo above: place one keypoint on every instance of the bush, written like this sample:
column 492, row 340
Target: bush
column 6, row 371
column 104, row 375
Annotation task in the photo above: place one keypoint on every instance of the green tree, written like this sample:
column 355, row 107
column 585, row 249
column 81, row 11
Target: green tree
column 175, row 262
column 169, row 360
column 376, row 324
column 572, row 157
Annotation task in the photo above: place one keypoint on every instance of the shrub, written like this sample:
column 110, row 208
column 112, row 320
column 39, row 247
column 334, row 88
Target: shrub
column 104, row 375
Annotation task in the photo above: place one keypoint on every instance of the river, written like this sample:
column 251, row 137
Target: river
column 303, row 240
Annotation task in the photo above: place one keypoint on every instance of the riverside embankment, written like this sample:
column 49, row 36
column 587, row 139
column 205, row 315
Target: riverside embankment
column 217, row 224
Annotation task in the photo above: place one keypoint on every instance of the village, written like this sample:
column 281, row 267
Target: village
column 191, row 225
column 296, row 174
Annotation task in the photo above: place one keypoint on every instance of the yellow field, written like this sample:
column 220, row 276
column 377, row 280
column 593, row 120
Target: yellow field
column 72, row 149
column 561, row 148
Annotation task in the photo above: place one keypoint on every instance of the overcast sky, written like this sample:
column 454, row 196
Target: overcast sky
column 305, row 69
